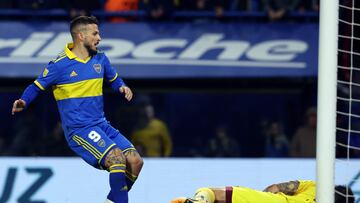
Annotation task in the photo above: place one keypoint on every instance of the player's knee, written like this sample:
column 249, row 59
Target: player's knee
column 115, row 156
column 139, row 162
column 134, row 160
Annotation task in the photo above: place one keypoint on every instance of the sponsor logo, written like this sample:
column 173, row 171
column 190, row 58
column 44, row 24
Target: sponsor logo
column 73, row 73
column 209, row 49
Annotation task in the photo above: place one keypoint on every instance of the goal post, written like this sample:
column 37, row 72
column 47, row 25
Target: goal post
column 327, row 87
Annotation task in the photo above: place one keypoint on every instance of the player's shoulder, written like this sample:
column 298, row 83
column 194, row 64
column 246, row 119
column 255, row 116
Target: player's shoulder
column 60, row 57
column 100, row 57
column 99, row 51
column 100, row 54
column 57, row 62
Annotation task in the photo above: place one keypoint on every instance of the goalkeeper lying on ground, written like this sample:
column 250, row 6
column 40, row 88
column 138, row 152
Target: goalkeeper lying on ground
column 290, row 192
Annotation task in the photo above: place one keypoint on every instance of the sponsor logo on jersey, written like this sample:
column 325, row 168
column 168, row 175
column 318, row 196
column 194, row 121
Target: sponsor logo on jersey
column 73, row 74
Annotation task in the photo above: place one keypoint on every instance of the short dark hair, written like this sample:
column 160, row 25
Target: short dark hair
column 344, row 194
column 82, row 20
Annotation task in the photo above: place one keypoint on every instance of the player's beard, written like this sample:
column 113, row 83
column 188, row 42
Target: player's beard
column 90, row 50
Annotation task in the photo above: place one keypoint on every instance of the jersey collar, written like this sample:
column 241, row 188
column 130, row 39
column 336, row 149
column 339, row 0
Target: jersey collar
column 71, row 55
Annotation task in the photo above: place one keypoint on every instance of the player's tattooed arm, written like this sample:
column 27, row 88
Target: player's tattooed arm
column 288, row 188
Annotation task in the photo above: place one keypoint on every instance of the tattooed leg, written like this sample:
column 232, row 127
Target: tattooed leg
column 115, row 162
column 134, row 164
column 115, row 156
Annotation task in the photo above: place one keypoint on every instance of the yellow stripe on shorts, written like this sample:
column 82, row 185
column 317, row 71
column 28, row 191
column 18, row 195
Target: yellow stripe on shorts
column 87, row 146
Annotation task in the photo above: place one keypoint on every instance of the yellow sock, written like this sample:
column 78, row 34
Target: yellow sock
column 205, row 194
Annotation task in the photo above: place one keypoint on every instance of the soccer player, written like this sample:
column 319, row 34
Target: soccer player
column 289, row 192
column 76, row 77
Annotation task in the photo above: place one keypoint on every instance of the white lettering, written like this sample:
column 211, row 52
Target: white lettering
column 277, row 50
column 32, row 44
column 94, row 136
column 232, row 49
column 8, row 43
column 117, row 47
column 272, row 53
column 56, row 46
column 150, row 49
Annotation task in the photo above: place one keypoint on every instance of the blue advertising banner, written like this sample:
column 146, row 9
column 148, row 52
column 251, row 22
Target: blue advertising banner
column 171, row 50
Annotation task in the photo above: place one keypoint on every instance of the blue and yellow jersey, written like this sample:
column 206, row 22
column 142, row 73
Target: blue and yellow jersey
column 78, row 86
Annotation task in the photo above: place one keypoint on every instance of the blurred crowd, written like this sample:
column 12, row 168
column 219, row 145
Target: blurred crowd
column 154, row 135
column 157, row 10
column 147, row 122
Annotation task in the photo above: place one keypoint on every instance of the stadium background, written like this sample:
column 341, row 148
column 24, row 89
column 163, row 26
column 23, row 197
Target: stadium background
column 212, row 106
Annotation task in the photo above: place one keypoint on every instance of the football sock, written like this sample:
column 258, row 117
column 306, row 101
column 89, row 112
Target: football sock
column 110, row 196
column 228, row 194
column 205, row 194
column 119, row 190
column 108, row 201
column 130, row 180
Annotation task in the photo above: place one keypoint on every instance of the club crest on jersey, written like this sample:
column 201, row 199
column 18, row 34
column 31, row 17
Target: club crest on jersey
column 97, row 67
column 101, row 143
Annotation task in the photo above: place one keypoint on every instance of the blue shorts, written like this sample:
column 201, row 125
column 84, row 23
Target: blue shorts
column 92, row 143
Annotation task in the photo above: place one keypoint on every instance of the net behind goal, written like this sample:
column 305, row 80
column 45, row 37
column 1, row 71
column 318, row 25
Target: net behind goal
column 347, row 167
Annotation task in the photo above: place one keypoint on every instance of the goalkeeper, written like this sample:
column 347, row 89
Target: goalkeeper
column 289, row 192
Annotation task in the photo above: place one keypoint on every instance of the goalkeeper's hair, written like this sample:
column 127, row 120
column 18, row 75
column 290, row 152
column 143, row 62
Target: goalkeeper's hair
column 344, row 194
column 81, row 20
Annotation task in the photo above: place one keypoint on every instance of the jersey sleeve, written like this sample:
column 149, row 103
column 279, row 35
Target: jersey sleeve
column 48, row 77
column 30, row 93
column 111, row 75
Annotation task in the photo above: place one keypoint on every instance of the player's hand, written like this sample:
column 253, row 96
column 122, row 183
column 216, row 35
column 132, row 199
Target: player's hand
column 127, row 91
column 272, row 188
column 18, row 106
